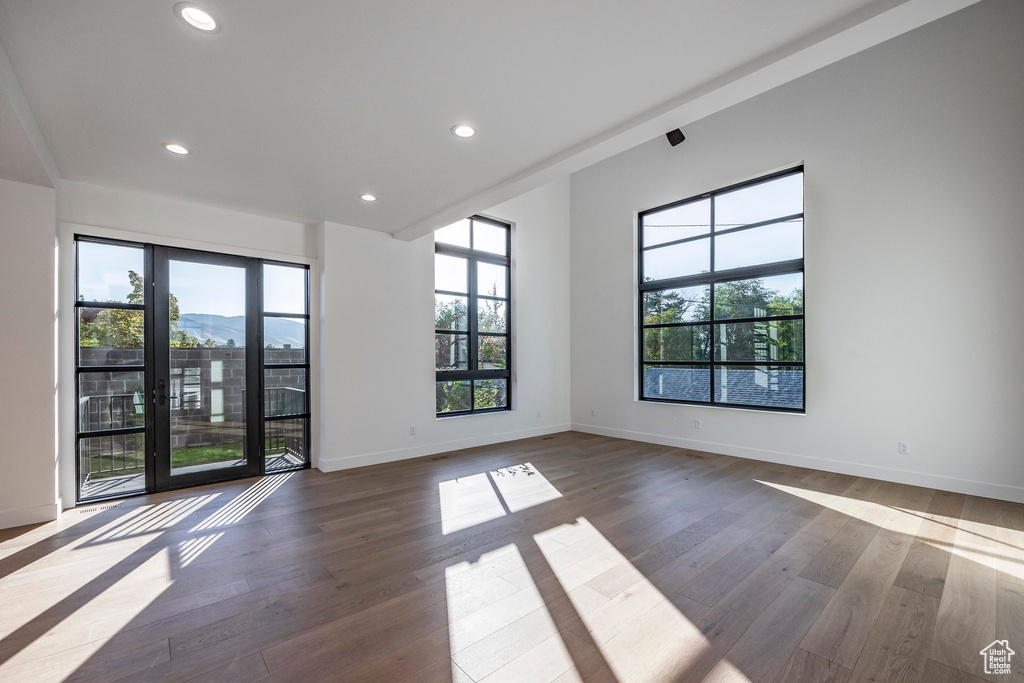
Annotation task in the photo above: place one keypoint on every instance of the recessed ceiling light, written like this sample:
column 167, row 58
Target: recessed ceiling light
column 197, row 17
column 463, row 130
column 368, row 198
column 175, row 148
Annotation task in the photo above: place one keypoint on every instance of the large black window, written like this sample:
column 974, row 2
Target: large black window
column 721, row 287
column 472, row 321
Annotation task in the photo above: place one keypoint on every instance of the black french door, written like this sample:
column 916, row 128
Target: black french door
column 206, row 383
column 192, row 367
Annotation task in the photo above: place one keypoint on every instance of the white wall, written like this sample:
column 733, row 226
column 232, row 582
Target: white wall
column 27, row 383
column 377, row 327
column 182, row 222
column 914, row 154
column 107, row 212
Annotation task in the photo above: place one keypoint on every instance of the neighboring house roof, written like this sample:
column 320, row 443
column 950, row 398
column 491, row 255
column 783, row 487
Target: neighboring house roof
column 745, row 386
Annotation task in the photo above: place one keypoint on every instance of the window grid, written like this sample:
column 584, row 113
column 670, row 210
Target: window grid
column 469, row 372
column 712, row 321
column 276, row 437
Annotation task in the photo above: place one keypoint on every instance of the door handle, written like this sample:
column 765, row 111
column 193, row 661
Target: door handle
column 161, row 392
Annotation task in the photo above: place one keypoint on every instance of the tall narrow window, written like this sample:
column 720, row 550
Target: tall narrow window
column 472, row 324
column 722, row 297
column 110, row 372
column 285, row 366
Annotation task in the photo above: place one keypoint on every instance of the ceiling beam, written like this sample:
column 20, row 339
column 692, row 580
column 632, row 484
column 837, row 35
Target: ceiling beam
column 15, row 95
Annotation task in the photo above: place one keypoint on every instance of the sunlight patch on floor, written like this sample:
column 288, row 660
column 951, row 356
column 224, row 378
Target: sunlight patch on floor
column 629, row 628
column 992, row 546
column 237, row 509
column 76, row 638
column 149, row 519
column 468, row 501
column 478, row 498
column 523, row 486
column 189, row 550
column 70, row 574
column 493, row 624
column 989, row 545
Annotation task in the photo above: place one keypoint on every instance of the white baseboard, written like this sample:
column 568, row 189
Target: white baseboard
column 23, row 516
column 361, row 460
column 933, row 481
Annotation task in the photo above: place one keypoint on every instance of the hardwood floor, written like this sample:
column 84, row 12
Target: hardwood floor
column 562, row 558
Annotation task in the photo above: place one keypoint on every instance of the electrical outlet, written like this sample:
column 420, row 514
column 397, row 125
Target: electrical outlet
column 593, row 413
column 697, row 424
column 412, row 430
column 905, row 447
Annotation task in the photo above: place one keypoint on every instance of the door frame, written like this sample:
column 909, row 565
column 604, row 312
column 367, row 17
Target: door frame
column 299, row 253
column 162, row 478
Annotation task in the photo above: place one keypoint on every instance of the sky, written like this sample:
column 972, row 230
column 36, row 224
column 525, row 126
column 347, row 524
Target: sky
column 771, row 243
column 199, row 288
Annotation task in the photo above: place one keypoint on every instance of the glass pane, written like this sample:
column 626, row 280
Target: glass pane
column 286, row 444
column 762, row 202
column 760, row 297
column 110, row 272
column 456, row 233
column 450, row 351
column 491, row 315
column 452, row 396
column 284, row 289
column 689, row 304
column 490, row 393
column 489, row 237
column 111, row 400
column 678, row 383
column 284, row 392
column 110, row 336
column 450, row 312
column 677, row 260
column 680, row 222
column 768, row 244
column 284, row 340
column 764, row 340
column 207, row 366
column 112, row 465
column 677, row 343
column 450, row 273
column 492, row 352
column 491, row 279
column 762, row 385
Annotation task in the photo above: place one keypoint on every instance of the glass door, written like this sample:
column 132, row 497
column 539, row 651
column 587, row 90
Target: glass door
column 206, row 367
column 191, row 367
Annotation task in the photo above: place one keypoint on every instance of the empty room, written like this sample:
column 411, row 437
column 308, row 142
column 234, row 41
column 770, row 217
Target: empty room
column 467, row 342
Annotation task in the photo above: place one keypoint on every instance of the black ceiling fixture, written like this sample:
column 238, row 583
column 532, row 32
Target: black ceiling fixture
column 675, row 137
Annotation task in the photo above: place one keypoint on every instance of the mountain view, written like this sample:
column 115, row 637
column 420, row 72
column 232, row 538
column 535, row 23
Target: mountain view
column 277, row 331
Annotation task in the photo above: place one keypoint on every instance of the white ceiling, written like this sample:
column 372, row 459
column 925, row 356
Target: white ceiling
column 296, row 108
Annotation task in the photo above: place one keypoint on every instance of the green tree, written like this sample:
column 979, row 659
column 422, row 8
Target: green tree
column 761, row 340
column 123, row 328
column 663, row 307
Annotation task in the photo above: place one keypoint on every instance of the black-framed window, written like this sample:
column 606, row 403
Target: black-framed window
column 111, row 347
column 721, row 297
column 286, row 407
column 472, row 316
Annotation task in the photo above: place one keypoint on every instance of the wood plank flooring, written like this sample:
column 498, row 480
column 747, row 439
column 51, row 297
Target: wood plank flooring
column 570, row 557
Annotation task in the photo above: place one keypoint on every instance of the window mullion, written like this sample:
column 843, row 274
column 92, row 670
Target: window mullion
column 713, row 335
column 471, row 312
